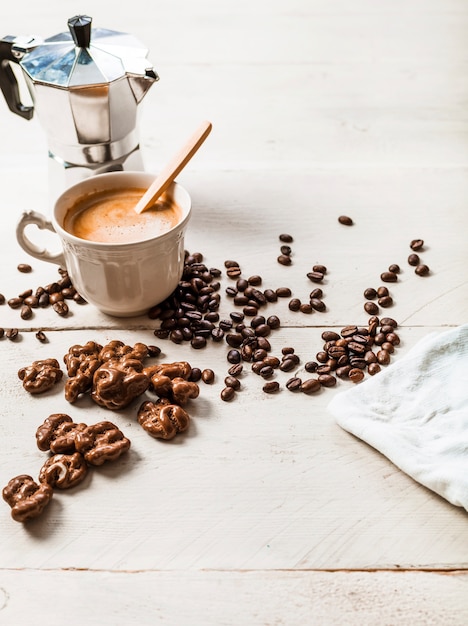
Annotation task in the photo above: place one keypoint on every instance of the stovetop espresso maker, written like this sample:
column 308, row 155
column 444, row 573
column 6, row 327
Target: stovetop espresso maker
column 85, row 86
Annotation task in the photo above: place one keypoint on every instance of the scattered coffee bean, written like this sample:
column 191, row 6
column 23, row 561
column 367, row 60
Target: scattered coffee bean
column 373, row 368
column 273, row 322
column 233, row 271
column 355, row 375
column 40, row 336
column 285, row 238
column 370, row 293
column 294, row 304
column 271, row 387
column 422, row 270
column 383, row 357
column 345, row 220
column 232, row 381
column 154, row 351
column 15, row 303
column 311, row 366
column 2, row 299
column 284, row 259
column 389, row 277
column 413, row 259
column 385, row 301
column 234, row 356
column 306, row 308
column 311, row 385
column 24, row 268
column 228, row 394
column 315, row 277
column 236, row 369
column 198, row 342
column 61, row 308
column 394, row 268
column 319, row 268
column 327, row 380
column 382, row 292
column 283, row 292
column 371, row 308
column 255, row 280
column 229, row 263
column 12, row 334
column 285, row 250
column 318, row 305
column 26, row 312
column 417, row 244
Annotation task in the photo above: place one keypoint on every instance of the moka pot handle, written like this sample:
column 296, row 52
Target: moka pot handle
column 8, row 82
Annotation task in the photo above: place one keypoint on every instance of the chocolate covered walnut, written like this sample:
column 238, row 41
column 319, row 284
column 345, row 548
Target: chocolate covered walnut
column 57, row 434
column 26, row 498
column 117, row 350
column 77, row 354
column 119, row 381
column 64, row 470
column 162, row 419
column 81, row 362
column 40, row 376
column 169, row 380
column 101, row 442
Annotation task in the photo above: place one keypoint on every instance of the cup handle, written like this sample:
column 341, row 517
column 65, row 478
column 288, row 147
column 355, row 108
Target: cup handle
column 33, row 217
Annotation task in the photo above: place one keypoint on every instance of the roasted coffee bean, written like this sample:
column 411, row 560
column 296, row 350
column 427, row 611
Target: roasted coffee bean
column 231, row 292
column 246, row 353
column 319, row 268
column 234, row 272
column 2, row 299
column 241, row 300
column 256, row 367
column 413, row 259
column 68, row 293
column 227, row 394
column 356, row 347
column 349, row 331
column 286, row 250
column 373, row 368
column 270, row 295
column 422, row 270
column 294, row 384
column 40, row 336
column 273, row 322
column 392, row 338
column 266, row 371
column 198, row 342
column 2, row 333
column 287, row 350
column 389, row 347
column 317, row 304
column 242, row 284
column 61, row 308
column 417, row 244
column 250, row 310
column 154, row 351
column 370, row 293
column 257, row 321
column 160, row 333
column 15, row 303
column 32, row 301
column 371, row 308
column 306, row 308
column 361, row 338
column 379, row 338
column 259, row 354
column 336, row 351
column 234, row 339
column 217, row 334
column 373, row 325
column 52, row 288
column 195, row 374
column 311, row 366
column 55, row 297
column 26, row 312
column 258, row 296
column 234, row 356
column 287, row 364
column 316, row 293
column 324, row 369
column 255, row 280
column 394, row 267
column 229, row 263
column 24, row 268
column 382, row 292
column 272, row 361
column 285, row 238
column 315, row 277
column 263, row 330
column 345, row 220
column 329, row 335
column 176, row 336
column 294, row 304
column 311, row 385
column 12, row 334
column 388, row 321
column 263, row 343
column 342, row 372
column 284, row 259
column 271, row 387
column 355, row 375
column 385, row 301
column 236, row 316
column 283, row 292
column 25, row 294
column 232, row 381
column 389, row 277
column 370, row 357
column 327, row 380
column 357, row 361
column 322, row 356
column 236, row 369
column 383, row 357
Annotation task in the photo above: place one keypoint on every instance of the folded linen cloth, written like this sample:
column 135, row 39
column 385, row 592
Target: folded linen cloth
column 415, row 412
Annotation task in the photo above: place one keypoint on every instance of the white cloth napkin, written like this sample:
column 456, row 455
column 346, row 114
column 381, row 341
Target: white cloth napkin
column 415, row 412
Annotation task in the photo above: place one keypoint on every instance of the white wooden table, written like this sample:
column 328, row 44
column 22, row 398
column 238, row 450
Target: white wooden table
column 266, row 512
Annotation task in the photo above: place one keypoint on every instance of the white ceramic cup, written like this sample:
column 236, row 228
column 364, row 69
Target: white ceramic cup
column 120, row 279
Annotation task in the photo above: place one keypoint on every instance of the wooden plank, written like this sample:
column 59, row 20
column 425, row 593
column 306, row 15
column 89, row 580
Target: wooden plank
column 217, row 598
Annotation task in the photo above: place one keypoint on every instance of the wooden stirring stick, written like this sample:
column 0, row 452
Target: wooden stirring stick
column 173, row 168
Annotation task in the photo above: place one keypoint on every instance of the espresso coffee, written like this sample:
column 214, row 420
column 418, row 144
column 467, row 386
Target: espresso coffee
column 109, row 217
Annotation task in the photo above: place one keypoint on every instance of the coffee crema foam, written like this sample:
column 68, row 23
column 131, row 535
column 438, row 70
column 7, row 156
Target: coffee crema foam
column 109, row 217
